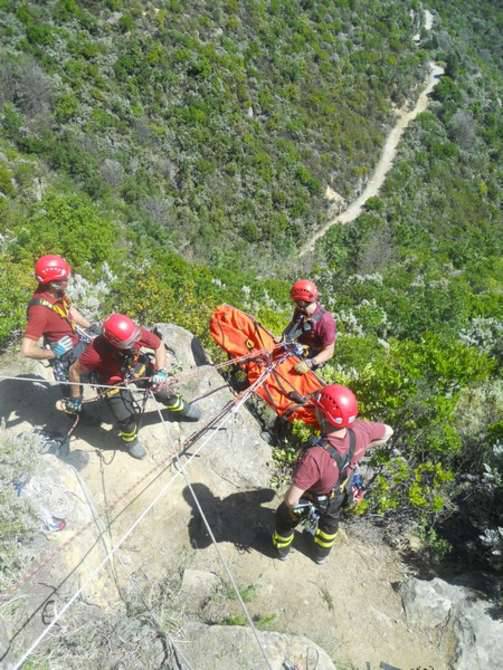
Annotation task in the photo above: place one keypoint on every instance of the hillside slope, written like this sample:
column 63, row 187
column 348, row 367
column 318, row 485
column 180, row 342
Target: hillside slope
column 330, row 604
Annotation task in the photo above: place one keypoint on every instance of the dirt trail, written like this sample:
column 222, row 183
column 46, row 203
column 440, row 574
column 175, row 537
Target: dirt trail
column 404, row 117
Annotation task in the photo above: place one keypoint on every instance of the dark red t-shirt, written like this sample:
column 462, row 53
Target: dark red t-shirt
column 107, row 361
column 44, row 322
column 317, row 471
column 323, row 329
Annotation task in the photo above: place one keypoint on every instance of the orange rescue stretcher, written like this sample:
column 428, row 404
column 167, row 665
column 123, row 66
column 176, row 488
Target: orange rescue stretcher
column 242, row 337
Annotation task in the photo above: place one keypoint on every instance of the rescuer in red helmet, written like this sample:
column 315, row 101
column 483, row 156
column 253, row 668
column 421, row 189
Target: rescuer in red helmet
column 51, row 316
column 311, row 326
column 117, row 356
column 322, row 476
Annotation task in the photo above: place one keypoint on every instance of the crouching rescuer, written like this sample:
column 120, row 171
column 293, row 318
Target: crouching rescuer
column 322, row 474
column 116, row 357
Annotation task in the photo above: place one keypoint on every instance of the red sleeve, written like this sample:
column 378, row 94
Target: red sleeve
column 149, row 340
column 307, row 471
column 327, row 330
column 37, row 322
column 366, row 432
column 90, row 358
column 374, row 430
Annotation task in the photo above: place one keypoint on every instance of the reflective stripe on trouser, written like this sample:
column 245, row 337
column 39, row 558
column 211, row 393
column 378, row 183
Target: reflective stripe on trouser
column 325, row 536
column 129, row 436
column 283, row 534
column 281, row 541
column 324, row 540
column 174, row 403
column 123, row 409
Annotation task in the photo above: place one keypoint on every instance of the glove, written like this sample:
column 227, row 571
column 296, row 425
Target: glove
column 303, row 366
column 159, row 377
column 62, row 346
column 73, row 405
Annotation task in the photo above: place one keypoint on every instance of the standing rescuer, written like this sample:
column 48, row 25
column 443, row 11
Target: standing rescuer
column 324, row 468
column 116, row 356
column 311, row 326
column 51, row 316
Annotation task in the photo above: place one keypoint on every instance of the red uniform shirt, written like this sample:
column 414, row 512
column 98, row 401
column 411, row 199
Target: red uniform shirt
column 108, row 361
column 317, row 471
column 44, row 322
column 322, row 329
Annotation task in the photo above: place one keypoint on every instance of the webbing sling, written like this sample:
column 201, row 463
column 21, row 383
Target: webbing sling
column 63, row 312
column 342, row 460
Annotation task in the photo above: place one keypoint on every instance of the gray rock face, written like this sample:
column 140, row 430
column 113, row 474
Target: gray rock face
column 477, row 637
column 237, row 452
column 186, row 349
column 235, row 648
column 197, row 588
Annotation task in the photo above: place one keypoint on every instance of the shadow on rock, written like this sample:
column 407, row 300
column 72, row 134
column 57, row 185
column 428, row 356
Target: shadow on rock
column 35, row 403
column 239, row 518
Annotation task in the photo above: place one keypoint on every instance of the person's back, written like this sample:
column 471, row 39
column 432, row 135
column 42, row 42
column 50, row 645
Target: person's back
column 317, row 471
column 323, row 470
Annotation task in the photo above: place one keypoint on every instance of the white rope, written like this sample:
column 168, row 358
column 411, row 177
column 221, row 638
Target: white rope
column 181, row 469
column 238, row 403
column 51, row 382
column 174, row 379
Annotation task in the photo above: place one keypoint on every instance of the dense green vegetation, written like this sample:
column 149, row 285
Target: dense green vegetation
column 190, row 149
column 218, row 125
column 418, row 283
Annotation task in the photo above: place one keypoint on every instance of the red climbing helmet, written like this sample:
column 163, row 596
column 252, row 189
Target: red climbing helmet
column 121, row 331
column 305, row 290
column 52, row 268
column 338, row 405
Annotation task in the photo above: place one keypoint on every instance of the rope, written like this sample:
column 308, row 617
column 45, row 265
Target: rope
column 180, row 468
column 232, row 361
column 49, row 555
column 227, row 569
column 237, row 404
column 162, row 466
column 50, row 382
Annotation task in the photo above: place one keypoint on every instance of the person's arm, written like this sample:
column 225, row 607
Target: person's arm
column 292, row 496
column 160, row 357
column 388, row 432
column 78, row 318
column 31, row 349
column 324, row 355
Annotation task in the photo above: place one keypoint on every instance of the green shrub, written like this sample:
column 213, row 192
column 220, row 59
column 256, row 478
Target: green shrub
column 73, row 226
column 6, row 185
column 66, row 107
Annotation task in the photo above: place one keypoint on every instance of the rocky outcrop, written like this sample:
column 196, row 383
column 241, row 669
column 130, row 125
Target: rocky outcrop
column 235, row 648
column 445, row 609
